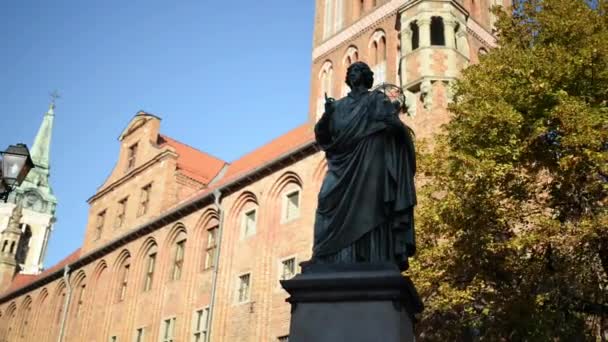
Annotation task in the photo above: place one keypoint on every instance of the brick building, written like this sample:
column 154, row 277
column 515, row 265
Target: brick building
column 183, row 246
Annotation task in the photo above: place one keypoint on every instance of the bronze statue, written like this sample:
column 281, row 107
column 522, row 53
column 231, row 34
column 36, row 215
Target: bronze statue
column 365, row 206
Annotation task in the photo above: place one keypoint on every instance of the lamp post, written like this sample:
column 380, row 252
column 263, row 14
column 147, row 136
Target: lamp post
column 15, row 164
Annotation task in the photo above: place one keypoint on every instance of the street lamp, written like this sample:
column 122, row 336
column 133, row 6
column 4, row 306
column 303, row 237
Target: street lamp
column 15, row 163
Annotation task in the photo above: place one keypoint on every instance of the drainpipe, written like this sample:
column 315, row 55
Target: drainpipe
column 216, row 194
column 66, row 303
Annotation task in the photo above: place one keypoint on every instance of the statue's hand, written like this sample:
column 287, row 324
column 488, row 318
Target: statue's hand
column 329, row 104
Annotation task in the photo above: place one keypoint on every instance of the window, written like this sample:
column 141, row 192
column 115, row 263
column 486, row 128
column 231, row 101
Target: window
column 283, row 338
column 292, row 206
column 288, row 268
column 201, row 324
column 122, row 209
column 178, row 259
column 80, row 300
column 437, row 33
column 139, row 335
column 168, row 330
column 415, row 35
column 144, row 199
column 326, row 86
column 113, row 339
column 334, row 17
column 131, row 155
column 150, row 264
column 379, row 58
column 124, row 279
column 101, row 219
column 244, row 284
column 211, row 247
column 249, row 221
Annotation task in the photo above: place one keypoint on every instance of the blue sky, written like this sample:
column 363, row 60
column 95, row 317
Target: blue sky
column 225, row 76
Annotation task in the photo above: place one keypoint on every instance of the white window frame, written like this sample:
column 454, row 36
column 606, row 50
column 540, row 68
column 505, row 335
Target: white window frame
column 203, row 329
column 163, row 329
column 244, row 219
column 285, row 218
column 282, row 263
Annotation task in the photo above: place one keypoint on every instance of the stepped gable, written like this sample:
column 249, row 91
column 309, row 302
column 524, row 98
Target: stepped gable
column 193, row 163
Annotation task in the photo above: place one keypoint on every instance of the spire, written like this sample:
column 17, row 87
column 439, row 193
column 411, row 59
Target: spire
column 40, row 151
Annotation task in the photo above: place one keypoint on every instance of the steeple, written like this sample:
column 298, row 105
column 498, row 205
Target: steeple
column 40, row 151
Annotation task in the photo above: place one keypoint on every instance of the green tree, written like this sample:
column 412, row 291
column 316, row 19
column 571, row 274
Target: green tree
column 512, row 219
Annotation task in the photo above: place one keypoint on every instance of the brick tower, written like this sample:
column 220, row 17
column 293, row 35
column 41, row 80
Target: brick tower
column 419, row 45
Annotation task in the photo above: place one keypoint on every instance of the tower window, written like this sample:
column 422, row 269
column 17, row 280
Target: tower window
column 144, row 200
column 101, row 219
column 122, row 209
column 415, row 35
column 437, row 31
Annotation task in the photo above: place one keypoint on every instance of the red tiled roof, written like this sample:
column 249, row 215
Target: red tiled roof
column 272, row 150
column 193, row 163
column 22, row 280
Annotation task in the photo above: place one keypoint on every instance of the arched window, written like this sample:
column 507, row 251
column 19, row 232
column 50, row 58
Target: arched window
column 123, row 277
column 211, row 254
column 179, row 249
column 326, row 84
column 150, row 266
column 378, row 57
column 351, row 56
column 437, row 31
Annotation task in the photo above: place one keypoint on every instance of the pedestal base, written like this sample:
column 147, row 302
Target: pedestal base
column 352, row 303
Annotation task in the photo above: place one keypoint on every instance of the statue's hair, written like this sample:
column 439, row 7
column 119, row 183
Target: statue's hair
column 366, row 72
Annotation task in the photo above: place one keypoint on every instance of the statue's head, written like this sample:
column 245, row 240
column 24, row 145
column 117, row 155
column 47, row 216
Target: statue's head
column 359, row 73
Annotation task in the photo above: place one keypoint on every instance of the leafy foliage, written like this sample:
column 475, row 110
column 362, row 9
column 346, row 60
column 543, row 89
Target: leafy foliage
column 512, row 219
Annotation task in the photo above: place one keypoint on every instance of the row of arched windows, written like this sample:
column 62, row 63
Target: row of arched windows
column 140, row 272
column 336, row 13
column 376, row 53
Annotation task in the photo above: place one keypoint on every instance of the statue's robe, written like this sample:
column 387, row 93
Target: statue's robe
column 365, row 206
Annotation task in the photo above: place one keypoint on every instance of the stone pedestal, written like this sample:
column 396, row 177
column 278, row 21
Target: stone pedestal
column 351, row 303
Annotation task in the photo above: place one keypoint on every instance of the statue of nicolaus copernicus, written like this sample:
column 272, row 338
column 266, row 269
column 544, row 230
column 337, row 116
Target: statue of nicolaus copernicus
column 366, row 202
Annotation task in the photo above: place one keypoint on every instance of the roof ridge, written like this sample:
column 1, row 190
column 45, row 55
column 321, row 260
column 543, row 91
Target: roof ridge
column 164, row 136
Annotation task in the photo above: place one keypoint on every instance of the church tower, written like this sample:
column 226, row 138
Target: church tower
column 33, row 203
column 419, row 45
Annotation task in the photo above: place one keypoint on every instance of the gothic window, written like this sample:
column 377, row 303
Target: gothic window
column 150, row 266
column 178, row 257
column 211, row 247
column 378, row 57
column 325, row 86
column 124, row 280
column 437, row 31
